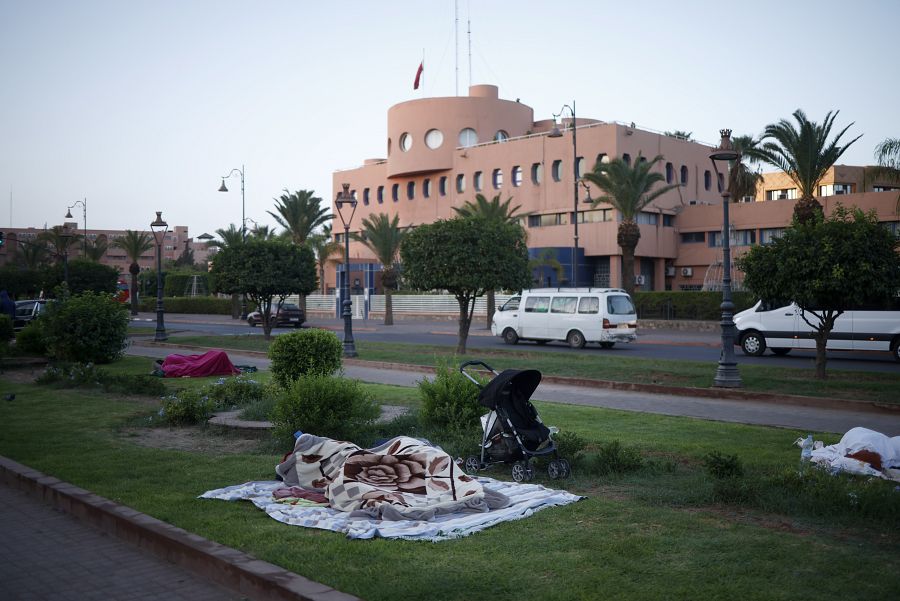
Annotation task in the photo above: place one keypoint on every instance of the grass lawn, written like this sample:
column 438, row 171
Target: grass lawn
column 651, row 533
column 863, row 386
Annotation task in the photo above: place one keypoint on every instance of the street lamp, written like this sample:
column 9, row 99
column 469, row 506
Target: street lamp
column 556, row 133
column 223, row 188
column 159, row 229
column 66, row 235
column 83, row 204
column 727, row 375
column 343, row 199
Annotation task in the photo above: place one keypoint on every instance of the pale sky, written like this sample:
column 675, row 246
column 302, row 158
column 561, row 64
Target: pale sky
column 142, row 106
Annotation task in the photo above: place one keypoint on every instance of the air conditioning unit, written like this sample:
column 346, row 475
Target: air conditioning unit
column 670, row 272
column 687, row 272
column 639, row 280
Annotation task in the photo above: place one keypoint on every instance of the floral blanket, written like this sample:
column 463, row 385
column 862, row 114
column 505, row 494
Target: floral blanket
column 404, row 478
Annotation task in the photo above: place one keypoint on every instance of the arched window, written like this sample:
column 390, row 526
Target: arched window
column 556, row 170
column 395, row 192
column 410, row 190
column 460, row 183
column 684, row 175
column 602, row 158
column 627, row 158
column 426, row 188
column 405, row 142
column 707, row 179
column 501, row 136
column 366, row 196
column 442, row 186
column 516, row 176
column 670, row 173
column 537, row 173
column 497, row 179
column 380, row 194
column 478, row 181
column 468, row 137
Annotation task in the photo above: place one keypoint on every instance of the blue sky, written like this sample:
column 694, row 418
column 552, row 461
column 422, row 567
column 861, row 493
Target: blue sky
column 142, row 106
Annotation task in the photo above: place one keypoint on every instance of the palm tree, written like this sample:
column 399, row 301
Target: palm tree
column 134, row 244
column 95, row 251
column 887, row 153
column 263, row 232
column 383, row 236
column 299, row 214
column 491, row 209
column 229, row 238
column 324, row 247
column 60, row 240
column 628, row 189
column 804, row 154
column 31, row 255
column 743, row 181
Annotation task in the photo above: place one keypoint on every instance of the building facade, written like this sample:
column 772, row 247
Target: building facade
column 441, row 152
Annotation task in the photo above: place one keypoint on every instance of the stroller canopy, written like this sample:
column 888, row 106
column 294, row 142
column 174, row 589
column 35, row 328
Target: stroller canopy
column 516, row 383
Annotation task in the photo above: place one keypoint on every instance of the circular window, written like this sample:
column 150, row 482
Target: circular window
column 434, row 138
column 501, row 136
column 468, row 137
column 405, row 142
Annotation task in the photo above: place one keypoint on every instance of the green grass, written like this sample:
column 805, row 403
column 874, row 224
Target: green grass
column 648, row 534
column 863, row 386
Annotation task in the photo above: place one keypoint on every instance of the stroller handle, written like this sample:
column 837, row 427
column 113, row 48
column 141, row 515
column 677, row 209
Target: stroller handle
column 462, row 370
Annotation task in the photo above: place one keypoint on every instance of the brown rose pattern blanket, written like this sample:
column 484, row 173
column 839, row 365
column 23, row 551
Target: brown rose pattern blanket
column 404, row 478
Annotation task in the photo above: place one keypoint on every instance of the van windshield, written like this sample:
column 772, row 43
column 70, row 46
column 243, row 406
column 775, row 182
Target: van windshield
column 512, row 304
column 619, row 305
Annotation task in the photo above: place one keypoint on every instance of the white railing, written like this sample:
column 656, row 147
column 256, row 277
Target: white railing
column 425, row 304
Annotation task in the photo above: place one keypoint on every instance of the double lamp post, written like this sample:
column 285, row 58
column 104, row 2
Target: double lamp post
column 223, row 188
column 342, row 202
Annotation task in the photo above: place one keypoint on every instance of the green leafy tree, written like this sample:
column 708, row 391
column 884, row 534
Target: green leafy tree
column 383, row 236
column 490, row 209
column 21, row 283
column 804, row 153
column 84, row 276
column 327, row 250
column 629, row 189
column 827, row 266
column 265, row 270
column 135, row 244
column 230, row 237
column 300, row 213
column 467, row 257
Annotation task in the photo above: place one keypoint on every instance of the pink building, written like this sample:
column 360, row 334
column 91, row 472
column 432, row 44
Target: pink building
column 441, row 152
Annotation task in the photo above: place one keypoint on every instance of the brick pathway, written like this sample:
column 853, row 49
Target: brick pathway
column 48, row 555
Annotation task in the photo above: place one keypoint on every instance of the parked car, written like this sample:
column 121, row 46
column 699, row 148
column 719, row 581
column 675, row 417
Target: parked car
column 576, row 316
column 780, row 327
column 288, row 315
column 26, row 311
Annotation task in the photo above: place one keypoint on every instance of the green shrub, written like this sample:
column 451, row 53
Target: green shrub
column 450, row 400
column 188, row 304
column 186, row 407
column 570, row 446
column 6, row 329
column 306, row 352
column 30, row 340
column 87, row 375
column 179, row 283
column 723, row 466
column 698, row 305
column 90, row 327
column 613, row 458
column 237, row 391
column 323, row 405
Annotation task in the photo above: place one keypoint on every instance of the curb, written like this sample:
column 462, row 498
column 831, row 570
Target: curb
column 236, row 570
column 726, row 394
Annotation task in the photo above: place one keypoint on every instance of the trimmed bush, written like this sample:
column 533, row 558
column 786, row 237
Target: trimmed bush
column 89, row 327
column 178, row 283
column 687, row 304
column 450, row 400
column 30, row 340
column 323, row 405
column 302, row 353
column 188, row 304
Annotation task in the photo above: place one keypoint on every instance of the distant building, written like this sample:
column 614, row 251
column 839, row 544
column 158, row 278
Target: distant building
column 441, row 152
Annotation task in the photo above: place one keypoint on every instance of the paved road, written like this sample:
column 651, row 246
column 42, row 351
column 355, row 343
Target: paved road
column 749, row 412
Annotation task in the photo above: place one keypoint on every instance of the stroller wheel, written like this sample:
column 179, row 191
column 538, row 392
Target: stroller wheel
column 473, row 464
column 555, row 469
column 520, row 472
column 566, row 468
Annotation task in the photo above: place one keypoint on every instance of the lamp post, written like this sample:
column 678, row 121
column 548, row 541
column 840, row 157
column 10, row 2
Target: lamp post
column 223, row 188
column 727, row 375
column 66, row 235
column 83, row 204
column 556, row 133
column 344, row 199
column 159, row 229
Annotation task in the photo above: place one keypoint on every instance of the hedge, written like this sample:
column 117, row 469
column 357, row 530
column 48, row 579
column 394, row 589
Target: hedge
column 189, row 304
column 178, row 282
column 687, row 304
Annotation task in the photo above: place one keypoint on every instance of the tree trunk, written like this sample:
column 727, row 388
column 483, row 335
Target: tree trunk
column 134, row 295
column 806, row 209
column 388, row 308
column 628, row 236
column 491, row 302
column 235, row 307
column 464, row 322
column 821, row 358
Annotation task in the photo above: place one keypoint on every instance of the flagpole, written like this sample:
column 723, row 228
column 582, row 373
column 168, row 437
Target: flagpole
column 423, row 71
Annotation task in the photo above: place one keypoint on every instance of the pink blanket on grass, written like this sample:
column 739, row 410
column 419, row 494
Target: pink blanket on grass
column 210, row 363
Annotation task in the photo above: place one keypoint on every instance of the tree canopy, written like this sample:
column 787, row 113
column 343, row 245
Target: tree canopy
column 827, row 266
column 265, row 270
column 466, row 257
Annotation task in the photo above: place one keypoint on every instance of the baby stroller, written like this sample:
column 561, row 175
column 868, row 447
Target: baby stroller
column 512, row 430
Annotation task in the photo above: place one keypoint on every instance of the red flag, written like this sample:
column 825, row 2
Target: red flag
column 419, row 75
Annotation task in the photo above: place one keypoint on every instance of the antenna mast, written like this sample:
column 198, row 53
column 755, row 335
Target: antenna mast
column 469, row 23
column 456, row 40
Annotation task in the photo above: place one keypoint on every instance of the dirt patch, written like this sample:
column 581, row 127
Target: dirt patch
column 193, row 440
column 24, row 375
column 767, row 521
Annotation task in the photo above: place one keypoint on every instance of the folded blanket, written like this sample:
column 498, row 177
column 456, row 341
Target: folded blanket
column 403, row 478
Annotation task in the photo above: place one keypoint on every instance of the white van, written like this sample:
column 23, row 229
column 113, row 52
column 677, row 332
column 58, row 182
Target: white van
column 575, row 315
column 779, row 327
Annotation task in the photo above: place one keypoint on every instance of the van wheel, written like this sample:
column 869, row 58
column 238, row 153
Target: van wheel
column 895, row 348
column 781, row 352
column 753, row 344
column 575, row 339
column 607, row 344
column 510, row 336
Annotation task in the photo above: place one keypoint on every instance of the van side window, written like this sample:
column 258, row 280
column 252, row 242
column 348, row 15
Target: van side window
column 537, row 304
column 589, row 304
column 563, row 304
column 619, row 305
